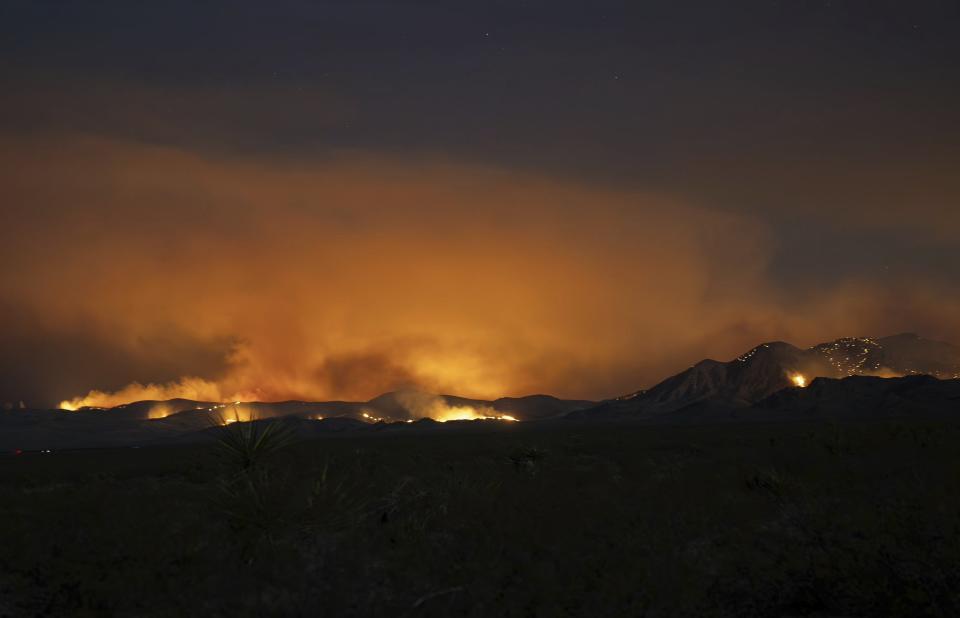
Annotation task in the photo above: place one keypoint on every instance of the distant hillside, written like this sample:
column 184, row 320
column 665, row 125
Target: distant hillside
column 902, row 375
column 773, row 367
column 151, row 422
column 863, row 397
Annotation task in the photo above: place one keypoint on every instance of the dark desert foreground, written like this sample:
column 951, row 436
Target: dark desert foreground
column 495, row 519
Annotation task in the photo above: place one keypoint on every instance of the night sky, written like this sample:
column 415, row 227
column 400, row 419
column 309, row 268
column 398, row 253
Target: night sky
column 275, row 200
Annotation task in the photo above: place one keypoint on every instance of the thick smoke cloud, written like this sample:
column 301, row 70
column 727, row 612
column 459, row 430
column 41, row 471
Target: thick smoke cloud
column 228, row 278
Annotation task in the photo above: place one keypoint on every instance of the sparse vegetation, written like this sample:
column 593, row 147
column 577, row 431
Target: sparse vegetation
column 768, row 481
column 620, row 521
column 527, row 459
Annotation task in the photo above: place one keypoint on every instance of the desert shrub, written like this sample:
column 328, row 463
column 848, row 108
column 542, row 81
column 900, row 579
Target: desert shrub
column 527, row 459
column 245, row 445
column 768, row 481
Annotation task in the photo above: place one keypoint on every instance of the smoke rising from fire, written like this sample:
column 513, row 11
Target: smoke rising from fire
column 346, row 277
column 427, row 405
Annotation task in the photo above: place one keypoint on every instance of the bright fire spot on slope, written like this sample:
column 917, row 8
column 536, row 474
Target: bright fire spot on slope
column 161, row 410
column 425, row 405
column 798, row 380
column 442, row 413
column 235, row 413
column 467, row 413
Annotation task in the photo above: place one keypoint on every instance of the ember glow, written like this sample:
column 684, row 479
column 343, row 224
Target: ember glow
column 234, row 413
column 466, row 413
column 161, row 410
column 324, row 211
column 425, row 405
column 196, row 389
column 799, row 380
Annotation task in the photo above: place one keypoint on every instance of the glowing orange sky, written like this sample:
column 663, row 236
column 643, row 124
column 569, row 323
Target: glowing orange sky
column 350, row 276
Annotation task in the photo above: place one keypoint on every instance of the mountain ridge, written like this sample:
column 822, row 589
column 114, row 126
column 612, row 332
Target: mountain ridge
column 776, row 366
column 160, row 421
column 902, row 375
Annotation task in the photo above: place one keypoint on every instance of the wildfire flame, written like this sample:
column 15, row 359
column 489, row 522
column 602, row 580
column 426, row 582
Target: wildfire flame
column 196, row 389
column 799, row 380
column 424, row 405
column 467, row 413
column 416, row 405
column 161, row 410
column 235, row 414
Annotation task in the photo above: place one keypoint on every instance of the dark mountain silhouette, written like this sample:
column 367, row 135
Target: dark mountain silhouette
column 711, row 387
column 852, row 378
column 863, row 397
column 535, row 407
column 176, row 420
column 404, row 405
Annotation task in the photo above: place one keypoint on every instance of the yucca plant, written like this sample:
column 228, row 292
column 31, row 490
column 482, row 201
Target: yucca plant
column 246, row 445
